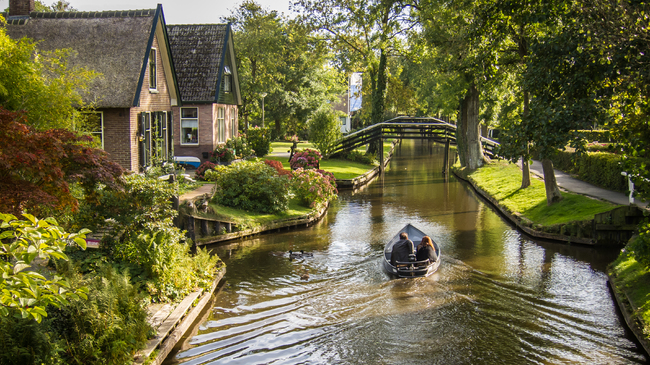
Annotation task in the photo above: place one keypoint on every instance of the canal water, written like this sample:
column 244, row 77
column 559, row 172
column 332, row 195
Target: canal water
column 499, row 297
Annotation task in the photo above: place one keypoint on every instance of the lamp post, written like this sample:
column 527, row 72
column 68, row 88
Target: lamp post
column 263, row 95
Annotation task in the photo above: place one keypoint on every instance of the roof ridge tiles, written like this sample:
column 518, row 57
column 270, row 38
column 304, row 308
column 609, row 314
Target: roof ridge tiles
column 92, row 14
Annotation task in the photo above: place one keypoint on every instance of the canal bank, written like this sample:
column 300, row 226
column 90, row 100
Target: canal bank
column 623, row 281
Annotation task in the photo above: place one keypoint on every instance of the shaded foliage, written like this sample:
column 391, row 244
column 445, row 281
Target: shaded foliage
column 37, row 167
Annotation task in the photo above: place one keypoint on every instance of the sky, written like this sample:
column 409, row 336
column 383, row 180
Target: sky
column 176, row 11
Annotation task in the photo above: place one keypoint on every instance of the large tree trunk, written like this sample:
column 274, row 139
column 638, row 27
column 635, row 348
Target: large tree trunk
column 553, row 194
column 378, row 100
column 468, row 134
column 461, row 133
column 525, row 168
column 525, row 173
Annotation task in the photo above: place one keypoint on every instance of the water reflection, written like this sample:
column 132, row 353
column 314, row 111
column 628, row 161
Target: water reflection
column 498, row 297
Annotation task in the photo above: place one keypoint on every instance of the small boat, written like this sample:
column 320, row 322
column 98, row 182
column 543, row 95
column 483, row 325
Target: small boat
column 411, row 269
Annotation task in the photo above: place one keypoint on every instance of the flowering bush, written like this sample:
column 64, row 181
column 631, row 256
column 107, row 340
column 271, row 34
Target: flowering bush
column 200, row 171
column 252, row 186
column 222, row 154
column 277, row 165
column 306, row 159
column 313, row 188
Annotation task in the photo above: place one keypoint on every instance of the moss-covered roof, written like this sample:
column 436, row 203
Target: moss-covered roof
column 197, row 50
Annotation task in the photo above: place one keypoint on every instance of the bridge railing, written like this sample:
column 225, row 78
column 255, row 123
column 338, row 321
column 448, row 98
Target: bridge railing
column 407, row 128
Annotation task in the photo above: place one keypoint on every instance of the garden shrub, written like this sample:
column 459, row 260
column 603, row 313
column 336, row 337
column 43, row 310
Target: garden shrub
column 222, row 154
column 200, row 171
column 25, row 341
column 109, row 327
column 305, row 159
column 325, row 129
column 277, row 165
column 252, row 186
column 106, row 328
column 259, row 140
column 143, row 234
column 360, row 157
column 240, row 145
column 312, row 188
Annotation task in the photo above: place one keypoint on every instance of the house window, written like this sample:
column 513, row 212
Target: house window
column 233, row 121
column 190, row 126
column 93, row 124
column 221, row 124
column 227, row 81
column 153, row 84
column 342, row 120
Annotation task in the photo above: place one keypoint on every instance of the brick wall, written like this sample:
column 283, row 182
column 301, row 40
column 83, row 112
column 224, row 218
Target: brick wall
column 117, row 132
column 20, row 7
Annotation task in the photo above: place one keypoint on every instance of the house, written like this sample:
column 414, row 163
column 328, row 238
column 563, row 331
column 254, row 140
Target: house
column 140, row 117
column 204, row 59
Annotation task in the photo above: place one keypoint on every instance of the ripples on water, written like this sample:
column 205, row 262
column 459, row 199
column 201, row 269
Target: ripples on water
column 497, row 297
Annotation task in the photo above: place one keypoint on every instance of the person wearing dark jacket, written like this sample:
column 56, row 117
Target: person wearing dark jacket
column 402, row 249
column 426, row 251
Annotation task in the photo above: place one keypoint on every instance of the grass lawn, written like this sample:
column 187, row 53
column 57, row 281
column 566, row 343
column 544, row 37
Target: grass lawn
column 633, row 279
column 245, row 219
column 342, row 169
column 502, row 180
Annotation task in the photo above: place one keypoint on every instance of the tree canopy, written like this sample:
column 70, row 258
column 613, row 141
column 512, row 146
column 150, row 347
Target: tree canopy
column 41, row 84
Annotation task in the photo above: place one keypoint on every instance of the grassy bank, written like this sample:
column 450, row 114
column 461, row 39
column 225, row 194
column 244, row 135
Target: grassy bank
column 342, row 169
column 632, row 281
column 246, row 220
column 502, row 181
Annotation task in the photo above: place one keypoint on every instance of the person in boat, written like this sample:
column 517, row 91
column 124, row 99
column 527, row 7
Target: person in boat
column 426, row 250
column 402, row 250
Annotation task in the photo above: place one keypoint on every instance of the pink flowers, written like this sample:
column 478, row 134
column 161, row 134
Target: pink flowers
column 306, row 159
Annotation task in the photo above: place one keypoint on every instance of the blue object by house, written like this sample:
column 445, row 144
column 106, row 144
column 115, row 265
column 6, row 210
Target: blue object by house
column 188, row 160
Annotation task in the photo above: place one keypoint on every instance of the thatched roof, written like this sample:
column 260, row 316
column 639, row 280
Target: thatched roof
column 197, row 50
column 113, row 43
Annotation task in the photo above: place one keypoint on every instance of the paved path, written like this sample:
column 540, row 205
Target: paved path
column 205, row 189
column 566, row 182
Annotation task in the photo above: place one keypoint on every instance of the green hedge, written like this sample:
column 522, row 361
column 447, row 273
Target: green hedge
column 600, row 135
column 598, row 168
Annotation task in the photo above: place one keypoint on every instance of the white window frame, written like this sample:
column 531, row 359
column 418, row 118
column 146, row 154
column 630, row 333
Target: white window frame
column 221, row 124
column 187, row 119
column 227, row 79
column 233, row 122
column 153, row 74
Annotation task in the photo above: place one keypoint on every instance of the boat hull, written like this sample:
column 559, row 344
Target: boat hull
column 415, row 269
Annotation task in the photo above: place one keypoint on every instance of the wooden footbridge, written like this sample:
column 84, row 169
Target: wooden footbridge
column 428, row 128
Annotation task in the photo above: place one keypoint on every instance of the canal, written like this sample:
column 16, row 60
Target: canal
column 498, row 297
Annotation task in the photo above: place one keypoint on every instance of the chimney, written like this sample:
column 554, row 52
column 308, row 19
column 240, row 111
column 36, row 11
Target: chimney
column 20, row 7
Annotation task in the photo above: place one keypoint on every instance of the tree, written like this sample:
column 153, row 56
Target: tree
column 365, row 33
column 506, row 31
column 325, row 130
column 42, row 84
column 281, row 58
column 447, row 29
column 24, row 292
column 37, row 167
